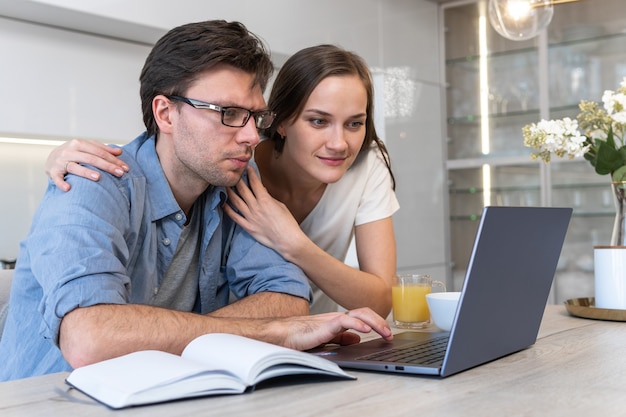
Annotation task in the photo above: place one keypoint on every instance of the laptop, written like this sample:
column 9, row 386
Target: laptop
column 503, row 298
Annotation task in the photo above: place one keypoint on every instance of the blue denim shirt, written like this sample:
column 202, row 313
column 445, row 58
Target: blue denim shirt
column 111, row 242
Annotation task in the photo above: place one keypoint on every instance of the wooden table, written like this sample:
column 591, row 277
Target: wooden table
column 577, row 367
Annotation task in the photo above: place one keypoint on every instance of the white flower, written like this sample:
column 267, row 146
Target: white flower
column 621, row 99
column 562, row 137
column 614, row 103
column 618, row 108
column 570, row 126
column 575, row 146
column 607, row 99
column 619, row 117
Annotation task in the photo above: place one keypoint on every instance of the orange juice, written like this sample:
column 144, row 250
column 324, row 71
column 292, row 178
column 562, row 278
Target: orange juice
column 409, row 303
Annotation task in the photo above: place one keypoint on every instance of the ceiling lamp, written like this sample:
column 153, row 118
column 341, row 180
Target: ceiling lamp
column 519, row 20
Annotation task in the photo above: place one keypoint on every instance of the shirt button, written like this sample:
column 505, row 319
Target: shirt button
column 156, row 290
column 166, row 241
column 179, row 216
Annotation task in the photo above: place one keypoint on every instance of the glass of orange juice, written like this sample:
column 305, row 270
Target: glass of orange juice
column 410, row 309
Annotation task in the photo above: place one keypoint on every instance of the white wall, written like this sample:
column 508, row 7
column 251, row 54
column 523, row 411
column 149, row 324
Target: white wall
column 62, row 83
column 57, row 84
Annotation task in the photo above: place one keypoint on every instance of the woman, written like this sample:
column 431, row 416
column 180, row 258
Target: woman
column 326, row 179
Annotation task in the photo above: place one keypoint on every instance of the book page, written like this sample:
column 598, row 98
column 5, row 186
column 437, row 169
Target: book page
column 254, row 361
column 150, row 376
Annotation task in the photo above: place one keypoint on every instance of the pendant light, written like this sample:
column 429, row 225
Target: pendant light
column 519, row 20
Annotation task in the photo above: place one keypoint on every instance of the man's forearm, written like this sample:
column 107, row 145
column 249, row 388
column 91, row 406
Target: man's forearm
column 265, row 305
column 104, row 331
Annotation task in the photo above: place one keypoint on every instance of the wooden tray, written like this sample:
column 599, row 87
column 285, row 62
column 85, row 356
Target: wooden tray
column 585, row 308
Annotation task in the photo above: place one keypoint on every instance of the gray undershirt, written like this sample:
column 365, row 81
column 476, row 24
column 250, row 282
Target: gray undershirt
column 179, row 288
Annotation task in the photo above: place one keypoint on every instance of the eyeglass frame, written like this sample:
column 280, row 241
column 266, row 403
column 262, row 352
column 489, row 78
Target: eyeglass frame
column 257, row 115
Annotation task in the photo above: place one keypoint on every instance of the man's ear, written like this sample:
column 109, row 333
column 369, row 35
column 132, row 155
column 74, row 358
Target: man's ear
column 163, row 109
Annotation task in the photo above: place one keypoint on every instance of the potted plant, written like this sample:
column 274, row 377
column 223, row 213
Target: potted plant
column 597, row 134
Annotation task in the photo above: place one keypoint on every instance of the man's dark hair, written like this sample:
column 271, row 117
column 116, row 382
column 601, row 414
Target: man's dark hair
column 187, row 51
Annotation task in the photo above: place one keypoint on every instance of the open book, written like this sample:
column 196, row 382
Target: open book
column 210, row 364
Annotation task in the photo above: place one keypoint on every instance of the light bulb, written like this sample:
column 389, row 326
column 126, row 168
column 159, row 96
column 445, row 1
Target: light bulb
column 519, row 20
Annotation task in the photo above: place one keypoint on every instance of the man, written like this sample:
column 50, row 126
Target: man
column 148, row 261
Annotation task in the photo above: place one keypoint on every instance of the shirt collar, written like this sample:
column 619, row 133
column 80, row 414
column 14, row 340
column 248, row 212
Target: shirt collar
column 160, row 194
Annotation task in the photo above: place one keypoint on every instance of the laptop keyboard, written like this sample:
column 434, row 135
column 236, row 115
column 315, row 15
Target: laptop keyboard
column 425, row 353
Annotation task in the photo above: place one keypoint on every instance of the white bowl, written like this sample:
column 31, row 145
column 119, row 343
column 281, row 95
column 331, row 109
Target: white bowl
column 442, row 306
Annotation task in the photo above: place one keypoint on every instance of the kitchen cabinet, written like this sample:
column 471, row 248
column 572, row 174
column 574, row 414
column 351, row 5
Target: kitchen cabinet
column 495, row 86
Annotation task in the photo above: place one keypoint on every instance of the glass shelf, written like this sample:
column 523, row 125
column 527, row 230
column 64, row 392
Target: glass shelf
column 475, row 119
column 471, row 62
column 608, row 44
column 568, row 187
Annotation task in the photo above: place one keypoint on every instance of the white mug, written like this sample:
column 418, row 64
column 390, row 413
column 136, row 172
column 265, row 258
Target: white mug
column 610, row 277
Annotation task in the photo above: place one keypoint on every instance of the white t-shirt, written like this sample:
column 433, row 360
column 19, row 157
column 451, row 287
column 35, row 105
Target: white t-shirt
column 362, row 195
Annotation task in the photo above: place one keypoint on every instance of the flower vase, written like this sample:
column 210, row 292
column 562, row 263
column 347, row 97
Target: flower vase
column 618, row 238
column 610, row 261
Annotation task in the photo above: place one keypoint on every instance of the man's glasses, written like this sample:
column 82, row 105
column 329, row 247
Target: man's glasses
column 232, row 116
